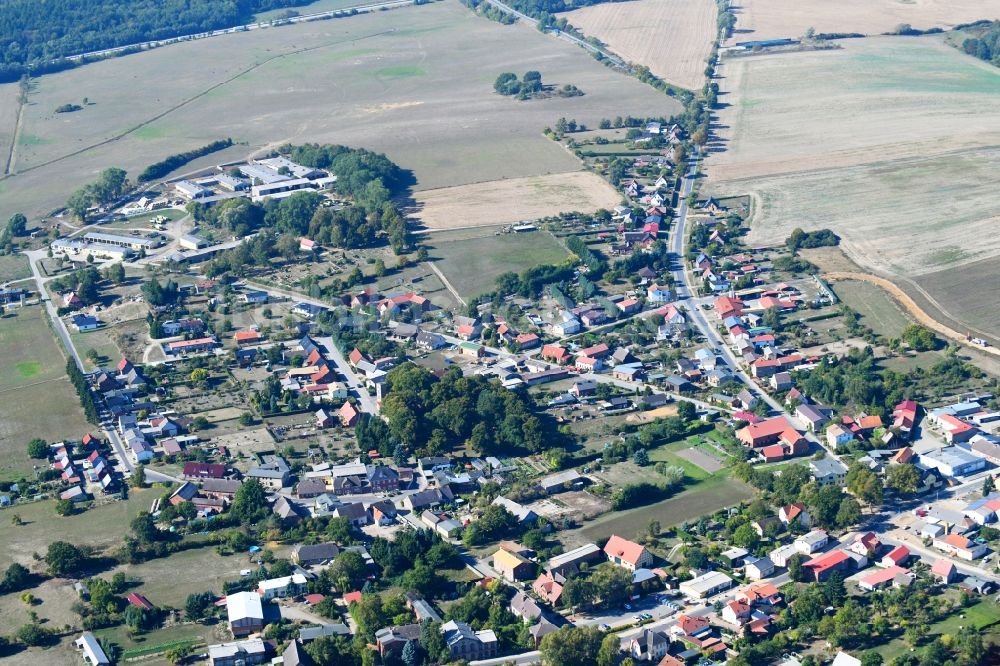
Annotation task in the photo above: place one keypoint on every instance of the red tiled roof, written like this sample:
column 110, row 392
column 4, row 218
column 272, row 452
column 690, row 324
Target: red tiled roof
column 827, row 560
column 623, row 549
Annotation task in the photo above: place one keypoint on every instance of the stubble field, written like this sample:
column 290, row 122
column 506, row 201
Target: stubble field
column 770, row 19
column 891, row 142
column 671, row 37
column 416, row 83
column 514, row 200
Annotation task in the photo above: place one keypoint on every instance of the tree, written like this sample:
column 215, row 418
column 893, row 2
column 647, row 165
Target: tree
column 64, row 558
column 904, row 478
column 686, row 411
column 746, row 536
column 864, row 484
column 65, row 507
column 610, row 650
column 871, row 658
column 795, row 569
column 144, row 528
column 332, row 650
column 38, row 449
column 641, row 457
column 507, row 84
column 988, row 485
column 849, row 513
column 571, row 646
column 347, row 571
column 249, row 501
column 15, row 578
column 115, row 273
column 409, row 655
column 32, row 634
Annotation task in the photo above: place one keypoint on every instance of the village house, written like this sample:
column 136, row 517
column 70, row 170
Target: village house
column 467, row 645
column 627, row 554
column 512, row 566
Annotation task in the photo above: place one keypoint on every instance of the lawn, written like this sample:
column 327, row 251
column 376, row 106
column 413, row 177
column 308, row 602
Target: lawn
column 101, row 527
column 99, row 340
column 14, row 267
column 36, row 398
column 472, row 265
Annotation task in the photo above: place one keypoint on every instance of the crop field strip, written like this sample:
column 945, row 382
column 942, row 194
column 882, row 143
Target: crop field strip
column 672, row 38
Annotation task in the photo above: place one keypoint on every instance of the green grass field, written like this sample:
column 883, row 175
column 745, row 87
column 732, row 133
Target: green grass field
column 473, row 264
column 36, row 399
column 706, row 493
column 163, row 585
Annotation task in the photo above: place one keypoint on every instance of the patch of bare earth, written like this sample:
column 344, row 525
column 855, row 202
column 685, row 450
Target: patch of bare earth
column 513, row 200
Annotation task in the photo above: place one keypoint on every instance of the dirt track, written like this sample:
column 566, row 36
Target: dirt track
column 910, row 306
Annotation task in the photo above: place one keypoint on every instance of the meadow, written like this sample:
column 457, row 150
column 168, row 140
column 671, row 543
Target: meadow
column 14, row 267
column 36, row 398
column 672, row 38
column 878, row 311
column 101, row 527
column 472, row 263
column 416, row 83
column 771, row 19
column 891, row 142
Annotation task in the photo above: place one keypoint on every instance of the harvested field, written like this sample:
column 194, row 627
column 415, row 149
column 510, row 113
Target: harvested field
column 877, row 309
column 771, row 19
column 515, row 200
column 32, row 374
column 472, row 265
column 673, row 38
column 890, row 142
column 956, row 297
column 872, row 101
column 325, row 81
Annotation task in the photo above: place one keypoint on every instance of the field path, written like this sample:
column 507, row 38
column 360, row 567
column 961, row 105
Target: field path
column 911, row 307
column 12, row 153
column 444, row 281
